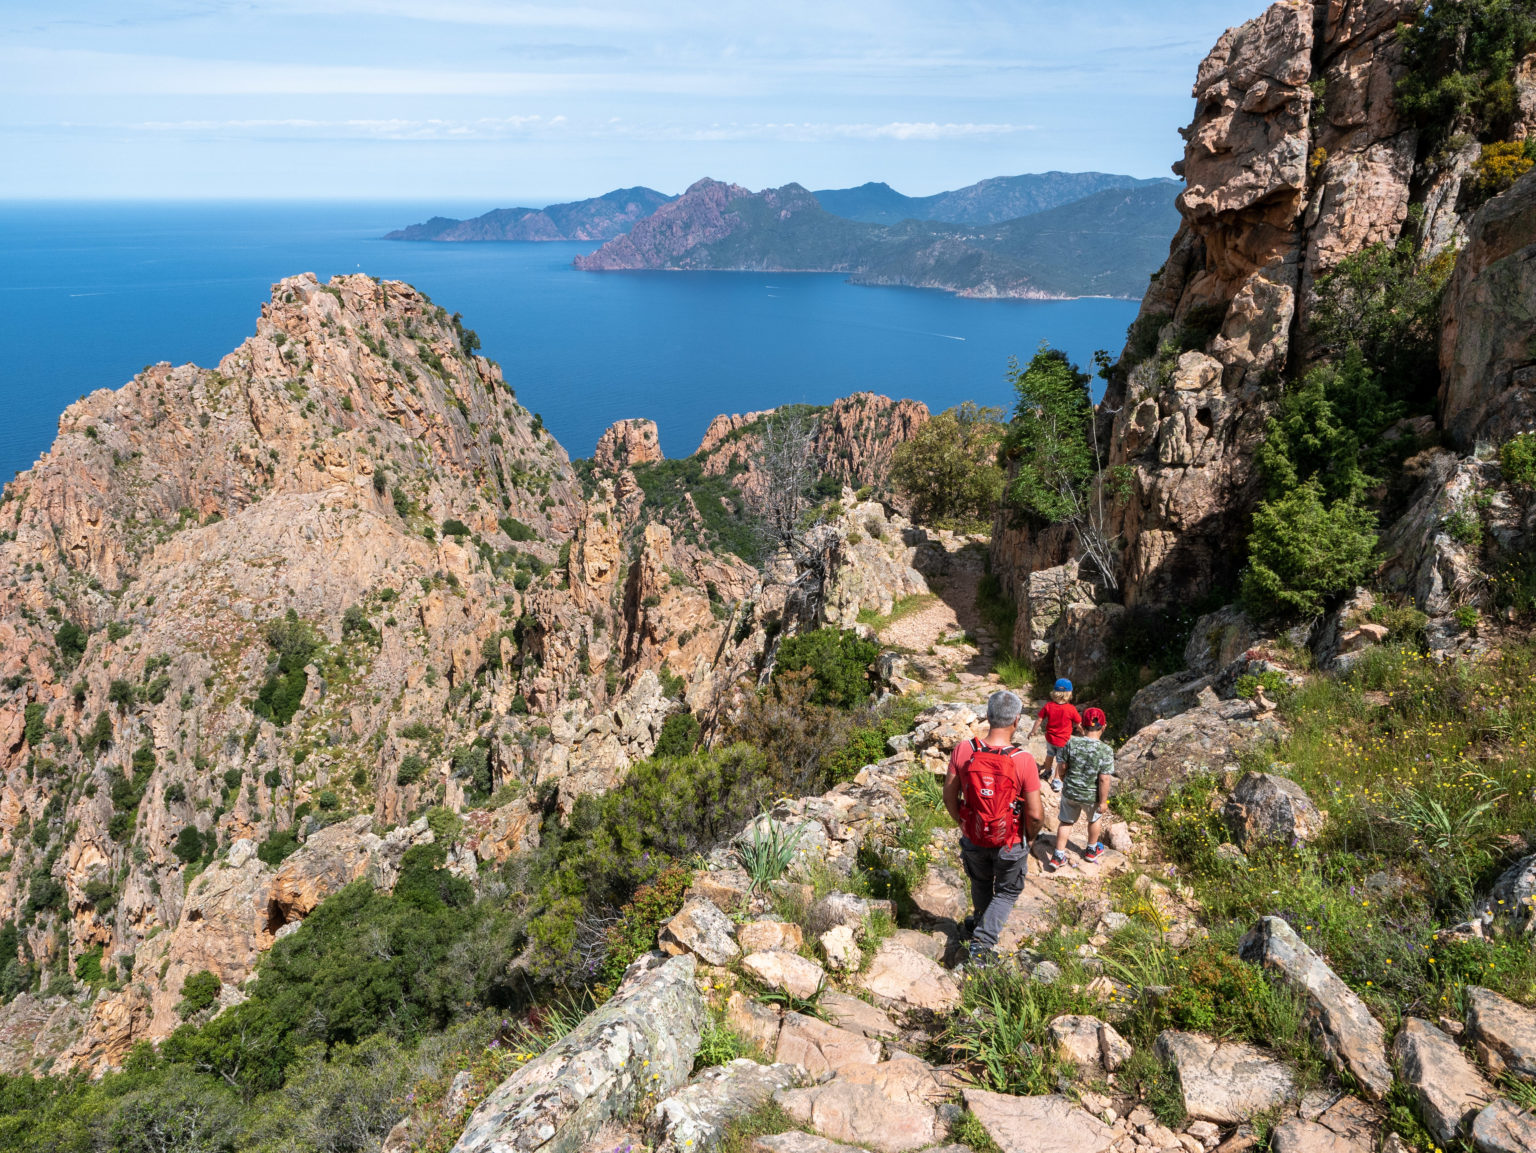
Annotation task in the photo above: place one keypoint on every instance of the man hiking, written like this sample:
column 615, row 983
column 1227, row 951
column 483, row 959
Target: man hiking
column 993, row 793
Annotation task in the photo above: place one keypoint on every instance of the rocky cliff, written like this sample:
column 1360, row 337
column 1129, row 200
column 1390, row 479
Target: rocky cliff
column 256, row 620
column 1298, row 157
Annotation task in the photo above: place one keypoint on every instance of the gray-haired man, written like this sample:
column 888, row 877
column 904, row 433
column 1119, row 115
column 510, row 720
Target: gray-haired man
column 993, row 792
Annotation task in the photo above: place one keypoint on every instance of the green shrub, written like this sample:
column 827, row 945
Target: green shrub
column 1048, row 444
column 412, row 766
column 404, row 505
column 679, row 735
column 88, row 966
column 634, row 933
column 472, row 765
column 100, row 736
column 1460, row 67
column 1464, row 525
column 516, row 530
column 1303, row 551
column 1270, row 680
column 294, row 644
column 71, row 641
column 767, row 851
column 328, row 801
column 189, row 844
column 123, row 694
column 277, row 847
column 272, row 778
column 839, row 661
column 32, row 728
column 198, row 992
column 948, row 471
column 1517, row 460
column 117, row 630
column 455, row 528
column 356, row 625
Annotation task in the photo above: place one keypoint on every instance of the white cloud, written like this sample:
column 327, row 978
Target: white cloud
column 811, row 132
column 391, row 128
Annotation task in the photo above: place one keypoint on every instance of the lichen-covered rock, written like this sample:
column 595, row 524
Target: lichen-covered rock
column 695, row 1118
column 1265, row 808
column 1514, row 893
column 1224, row 1081
column 1353, row 1039
column 1502, row 1032
column 700, row 928
column 1501, row 1128
column 1047, row 1124
column 640, row 1043
column 1450, row 1091
column 1205, row 739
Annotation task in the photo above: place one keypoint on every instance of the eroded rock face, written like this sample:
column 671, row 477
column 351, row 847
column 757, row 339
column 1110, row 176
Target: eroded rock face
column 1502, row 1032
column 1205, row 739
column 641, row 1042
column 1488, row 372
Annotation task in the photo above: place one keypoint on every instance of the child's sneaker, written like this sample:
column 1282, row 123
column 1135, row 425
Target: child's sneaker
column 1094, row 852
column 1055, row 785
column 1058, row 860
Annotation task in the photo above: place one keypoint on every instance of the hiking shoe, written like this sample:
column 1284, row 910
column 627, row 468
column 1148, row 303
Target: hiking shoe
column 1057, row 861
column 1094, row 852
column 1055, row 785
column 968, row 928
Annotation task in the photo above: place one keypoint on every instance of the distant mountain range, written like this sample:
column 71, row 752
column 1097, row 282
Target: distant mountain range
column 986, row 202
column 598, row 219
column 1046, row 235
column 1105, row 244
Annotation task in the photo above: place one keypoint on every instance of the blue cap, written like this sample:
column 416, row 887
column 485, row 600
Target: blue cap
column 1063, row 685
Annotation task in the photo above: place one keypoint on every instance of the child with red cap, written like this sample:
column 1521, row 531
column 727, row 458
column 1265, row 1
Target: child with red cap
column 1088, row 767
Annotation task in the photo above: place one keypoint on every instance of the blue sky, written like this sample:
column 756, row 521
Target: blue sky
column 498, row 100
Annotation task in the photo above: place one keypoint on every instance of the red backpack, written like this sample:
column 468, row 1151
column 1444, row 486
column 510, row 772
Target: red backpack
column 989, row 785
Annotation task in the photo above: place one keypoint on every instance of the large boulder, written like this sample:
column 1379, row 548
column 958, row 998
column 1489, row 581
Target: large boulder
column 1218, row 639
column 822, row 1049
column 1048, row 594
column 881, row 1107
column 640, row 1044
column 1450, row 1091
column 1353, row 1039
column 1267, row 808
column 1502, row 1032
column 1224, row 1081
column 693, row 1119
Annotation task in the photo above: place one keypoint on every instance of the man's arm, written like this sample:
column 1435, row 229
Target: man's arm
column 952, row 796
column 1034, row 816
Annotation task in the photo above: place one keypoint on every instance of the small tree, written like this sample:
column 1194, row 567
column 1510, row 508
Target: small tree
column 839, row 661
column 948, row 471
column 1303, row 551
column 1051, row 444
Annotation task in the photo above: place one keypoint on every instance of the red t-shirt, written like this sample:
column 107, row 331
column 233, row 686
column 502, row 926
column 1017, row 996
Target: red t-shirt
column 1023, row 763
column 1059, row 720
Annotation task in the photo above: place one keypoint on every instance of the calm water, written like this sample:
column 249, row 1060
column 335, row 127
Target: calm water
column 90, row 293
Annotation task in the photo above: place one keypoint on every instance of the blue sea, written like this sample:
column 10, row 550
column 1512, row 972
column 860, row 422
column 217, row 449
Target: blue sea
column 90, row 292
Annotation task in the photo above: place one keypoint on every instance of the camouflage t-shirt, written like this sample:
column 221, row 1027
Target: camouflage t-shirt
column 1083, row 763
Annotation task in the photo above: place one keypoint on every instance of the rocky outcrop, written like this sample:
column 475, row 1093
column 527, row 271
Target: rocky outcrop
column 1488, row 371
column 695, row 1118
column 1207, row 739
column 1049, row 1124
column 1353, row 1039
column 626, row 443
column 1501, row 1128
column 640, row 1044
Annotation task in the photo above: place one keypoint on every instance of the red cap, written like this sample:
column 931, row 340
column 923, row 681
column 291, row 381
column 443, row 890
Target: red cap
column 1094, row 719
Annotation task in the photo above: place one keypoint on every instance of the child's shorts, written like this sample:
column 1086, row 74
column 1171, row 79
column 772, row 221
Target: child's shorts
column 1054, row 750
column 1071, row 810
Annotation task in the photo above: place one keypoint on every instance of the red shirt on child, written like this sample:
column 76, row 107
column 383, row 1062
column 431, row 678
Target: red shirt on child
column 1059, row 720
